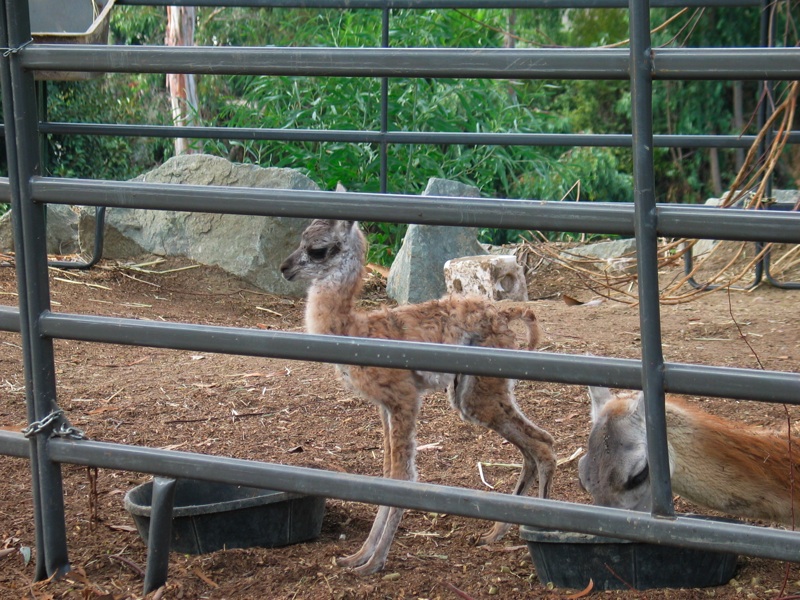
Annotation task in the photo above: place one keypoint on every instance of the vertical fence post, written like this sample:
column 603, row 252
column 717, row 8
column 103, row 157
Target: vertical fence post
column 641, row 66
column 159, row 535
column 10, row 135
column 19, row 98
column 384, row 146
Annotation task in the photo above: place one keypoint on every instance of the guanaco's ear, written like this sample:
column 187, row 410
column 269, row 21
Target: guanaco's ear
column 599, row 397
column 640, row 405
column 343, row 227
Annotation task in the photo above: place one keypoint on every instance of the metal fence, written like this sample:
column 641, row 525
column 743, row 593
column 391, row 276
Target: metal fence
column 50, row 441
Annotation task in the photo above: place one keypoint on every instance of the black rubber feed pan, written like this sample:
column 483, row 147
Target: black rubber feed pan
column 209, row 516
column 570, row 560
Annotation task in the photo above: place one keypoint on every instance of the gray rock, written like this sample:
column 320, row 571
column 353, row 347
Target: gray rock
column 417, row 273
column 6, row 233
column 62, row 230
column 249, row 247
column 613, row 255
column 787, row 196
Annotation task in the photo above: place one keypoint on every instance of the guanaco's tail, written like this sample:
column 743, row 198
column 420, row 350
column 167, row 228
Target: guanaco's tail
column 525, row 314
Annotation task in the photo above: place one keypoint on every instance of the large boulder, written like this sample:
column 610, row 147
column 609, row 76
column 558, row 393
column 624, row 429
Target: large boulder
column 249, row 247
column 62, row 230
column 417, row 273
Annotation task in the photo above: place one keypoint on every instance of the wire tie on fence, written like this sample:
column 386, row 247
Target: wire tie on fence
column 9, row 51
column 58, row 425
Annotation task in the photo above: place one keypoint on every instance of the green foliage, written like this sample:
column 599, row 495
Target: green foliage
column 589, row 174
column 679, row 107
column 113, row 98
column 138, row 25
column 498, row 237
column 385, row 240
column 701, row 107
column 588, row 27
column 418, row 105
column 414, row 105
column 103, row 156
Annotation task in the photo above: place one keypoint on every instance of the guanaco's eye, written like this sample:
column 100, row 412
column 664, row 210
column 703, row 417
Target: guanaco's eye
column 639, row 478
column 317, row 254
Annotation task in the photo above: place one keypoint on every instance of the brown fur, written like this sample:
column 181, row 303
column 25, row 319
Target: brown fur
column 732, row 467
column 720, row 464
column 331, row 257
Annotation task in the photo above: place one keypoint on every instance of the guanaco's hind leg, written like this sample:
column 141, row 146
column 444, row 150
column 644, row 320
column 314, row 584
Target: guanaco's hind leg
column 489, row 401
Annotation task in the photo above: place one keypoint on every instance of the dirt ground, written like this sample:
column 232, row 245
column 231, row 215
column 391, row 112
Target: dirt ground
column 296, row 413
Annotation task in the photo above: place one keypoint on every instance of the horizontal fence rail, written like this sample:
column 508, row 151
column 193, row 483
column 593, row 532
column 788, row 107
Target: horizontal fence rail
column 9, row 318
column 544, row 366
column 769, row 543
column 540, row 63
column 14, row 444
column 602, row 140
column 592, row 217
column 754, row 541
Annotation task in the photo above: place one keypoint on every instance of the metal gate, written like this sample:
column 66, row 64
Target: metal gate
column 50, row 441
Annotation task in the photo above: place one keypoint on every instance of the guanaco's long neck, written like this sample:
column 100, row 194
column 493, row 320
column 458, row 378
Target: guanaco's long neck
column 331, row 303
column 732, row 468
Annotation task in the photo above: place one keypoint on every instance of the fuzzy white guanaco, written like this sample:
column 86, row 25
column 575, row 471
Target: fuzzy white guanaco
column 331, row 257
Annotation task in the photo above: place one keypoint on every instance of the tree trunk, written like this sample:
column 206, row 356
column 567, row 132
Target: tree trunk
column 181, row 87
column 510, row 41
column 716, row 175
